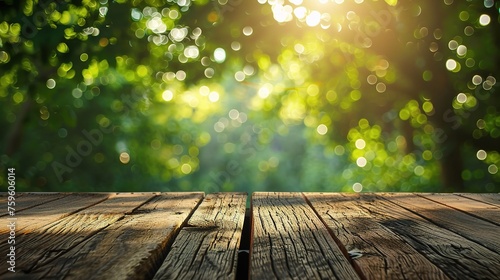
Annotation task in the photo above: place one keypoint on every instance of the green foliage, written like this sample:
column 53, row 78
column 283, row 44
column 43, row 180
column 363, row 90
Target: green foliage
column 250, row 95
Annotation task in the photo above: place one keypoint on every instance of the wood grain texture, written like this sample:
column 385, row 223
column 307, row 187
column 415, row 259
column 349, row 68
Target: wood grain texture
column 131, row 248
column 28, row 200
column 45, row 244
column 290, row 242
column 207, row 246
column 45, row 209
column 456, row 256
column 468, row 226
column 491, row 198
column 294, row 236
column 485, row 211
column 383, row 254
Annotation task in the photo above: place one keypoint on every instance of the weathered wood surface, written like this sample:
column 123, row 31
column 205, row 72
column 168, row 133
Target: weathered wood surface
column 479, row 209
column 29, row 200
column 290, row 242
column 207, row 246
column 379, row 252
column 457, row 256
column 490, row 198
column 36, row 211
column 130, row 248
column 45, row 244
column 482, row 232
column 293, row 236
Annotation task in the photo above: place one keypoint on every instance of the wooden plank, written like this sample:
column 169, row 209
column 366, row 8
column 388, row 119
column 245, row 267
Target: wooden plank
column 456, row 256
column 382, row 253
column 470, row 227
column 207, row 246
column 55, row 208
column 45, row 244
column 132, row 248
column 290, row 242
column 491, row 198
column 26, row 201
column 473, row 207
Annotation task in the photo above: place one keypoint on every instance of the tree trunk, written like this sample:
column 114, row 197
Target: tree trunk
column 451, row 167
column 14, row 137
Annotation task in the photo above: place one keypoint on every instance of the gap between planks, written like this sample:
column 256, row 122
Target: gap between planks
column 375, row 207
column 290, row 242
column 207, row 246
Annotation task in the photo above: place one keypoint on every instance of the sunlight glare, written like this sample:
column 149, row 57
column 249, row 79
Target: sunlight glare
column 219, row 126
column 239, row 76
column 300, row 12
column 381, row 87
column 419, row 170
column 204, row 90
column 219, row 55
column 180, row 75
column 469, row 30
column 360, row 144
column 124, row 158
column 178, row 34
column 361, row 162
column 209, row 72
column 371, row 79
column 489, row 3
column 357, row 187
column 481, row 155
column 477, row 80
column 234, row 114
column 51, row 83
column 265, row 91
column 167, row 95
column 213, row 96
column 313, row 18
column 451, row 64
column 282, row 13
column 462, row 50
column 186, row 168
column 492, row 169
column 191, row 52
column 322, row 129
column 484, row 19
column 461, row 98
column 299, row 48
column 236, row 46
column 453, row 45
column 248, row 30
column 248, row 70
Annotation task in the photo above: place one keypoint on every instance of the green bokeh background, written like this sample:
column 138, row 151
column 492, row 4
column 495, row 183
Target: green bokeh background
column 163, row 95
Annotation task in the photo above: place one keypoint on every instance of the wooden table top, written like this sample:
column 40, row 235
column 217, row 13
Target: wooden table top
column 282, row 236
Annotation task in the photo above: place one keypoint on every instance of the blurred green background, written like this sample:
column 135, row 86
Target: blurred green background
column 255, row 95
